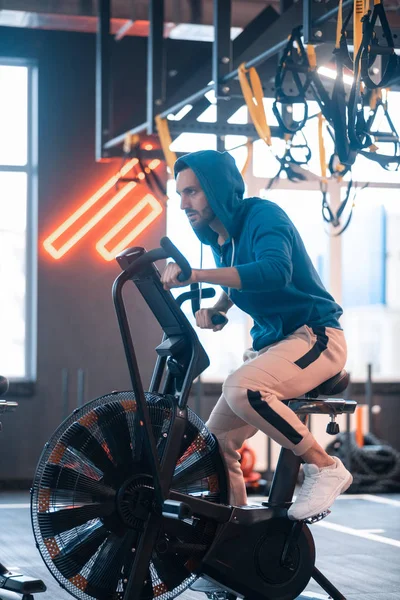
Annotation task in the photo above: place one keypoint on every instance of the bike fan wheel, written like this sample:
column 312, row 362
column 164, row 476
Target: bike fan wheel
column 91, row 484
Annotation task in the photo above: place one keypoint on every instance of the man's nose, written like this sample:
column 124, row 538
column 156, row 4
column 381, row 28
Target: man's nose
column 185, row 204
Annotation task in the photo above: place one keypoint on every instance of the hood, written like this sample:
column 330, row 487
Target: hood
column 223, row 186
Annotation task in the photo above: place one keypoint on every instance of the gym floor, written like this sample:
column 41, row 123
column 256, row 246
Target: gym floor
column 358, row 547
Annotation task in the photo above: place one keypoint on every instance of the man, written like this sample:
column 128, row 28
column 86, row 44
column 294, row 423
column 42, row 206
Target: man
column 263, row 268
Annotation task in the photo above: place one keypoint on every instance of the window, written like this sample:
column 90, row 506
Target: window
column 17, row 220
column 371, row 285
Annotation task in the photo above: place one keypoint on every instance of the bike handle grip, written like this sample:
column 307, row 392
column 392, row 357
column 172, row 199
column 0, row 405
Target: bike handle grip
column 172, row 251
column 218, row 319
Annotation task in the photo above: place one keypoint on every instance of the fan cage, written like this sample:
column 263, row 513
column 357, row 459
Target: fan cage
column 199, row 471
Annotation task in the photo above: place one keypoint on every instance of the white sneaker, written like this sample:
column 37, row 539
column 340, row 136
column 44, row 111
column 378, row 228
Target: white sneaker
column 320, row 489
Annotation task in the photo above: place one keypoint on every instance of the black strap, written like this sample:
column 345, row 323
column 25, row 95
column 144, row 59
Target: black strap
column 294, row 60
column 383, row 159
column 371, row 49
column 338, row 111
column 334, row 219
column 289, row 159
column 356, row 125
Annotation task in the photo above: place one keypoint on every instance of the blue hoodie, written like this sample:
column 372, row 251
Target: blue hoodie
column 281, row 289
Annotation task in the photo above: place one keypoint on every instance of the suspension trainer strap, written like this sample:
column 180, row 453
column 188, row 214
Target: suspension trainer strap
column 371, row 49
column 165, row 141
column 378, row 104
column 356, row 126
column 384, row 160
column 253, row 95
column 338, row 103
column 294, row 61
column 327, row 213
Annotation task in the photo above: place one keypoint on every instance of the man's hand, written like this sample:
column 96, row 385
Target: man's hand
column 203, row 319
column 169, row 278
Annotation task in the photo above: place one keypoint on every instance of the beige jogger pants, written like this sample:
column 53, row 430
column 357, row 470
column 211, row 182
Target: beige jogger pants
column 251, row 396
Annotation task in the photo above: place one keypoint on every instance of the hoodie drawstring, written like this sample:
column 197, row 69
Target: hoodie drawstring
column 233, row 258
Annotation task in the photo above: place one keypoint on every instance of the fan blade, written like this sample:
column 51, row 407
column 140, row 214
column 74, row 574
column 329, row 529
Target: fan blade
column 79, row 437
column 57, row 478
column 191, row 433
column 112, row 421
column 80, row 550
column 109, row 567
column 54, row 523
column 169, row 570
column 194, row 465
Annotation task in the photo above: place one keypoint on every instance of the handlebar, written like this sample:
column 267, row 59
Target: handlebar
column 194, row 293
column 219, row 319
column 134, row 259
column 172, row 251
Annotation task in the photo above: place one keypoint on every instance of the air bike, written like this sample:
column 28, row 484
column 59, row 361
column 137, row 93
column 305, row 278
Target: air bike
column 130, row 496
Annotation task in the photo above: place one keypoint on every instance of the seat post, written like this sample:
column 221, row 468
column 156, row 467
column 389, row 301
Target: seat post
column 285, row 477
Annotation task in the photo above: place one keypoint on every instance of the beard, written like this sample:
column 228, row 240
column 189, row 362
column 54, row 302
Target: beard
column 200, row 219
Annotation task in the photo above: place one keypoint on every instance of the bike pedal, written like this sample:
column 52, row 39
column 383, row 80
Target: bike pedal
column 316, row 518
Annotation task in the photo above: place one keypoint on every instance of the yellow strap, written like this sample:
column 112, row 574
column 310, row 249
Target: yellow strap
column 358, row 13
column 165, row 141
column 321, row 145
column 249, row 145
column 339, row 24
column 258, row 94
column 253, row 96
column 312, row 57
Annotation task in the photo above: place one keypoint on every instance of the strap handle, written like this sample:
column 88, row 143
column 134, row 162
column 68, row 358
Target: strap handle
column 165, row 141
column 253, row 95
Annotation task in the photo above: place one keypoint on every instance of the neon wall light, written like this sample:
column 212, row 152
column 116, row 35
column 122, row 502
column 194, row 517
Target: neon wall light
column 81, row 223
column 147, row 201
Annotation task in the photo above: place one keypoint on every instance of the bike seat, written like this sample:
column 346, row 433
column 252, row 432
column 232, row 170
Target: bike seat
column 335, row 385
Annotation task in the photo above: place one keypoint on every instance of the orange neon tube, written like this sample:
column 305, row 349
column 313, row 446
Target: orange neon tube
column 156, row 210
column 84, row 208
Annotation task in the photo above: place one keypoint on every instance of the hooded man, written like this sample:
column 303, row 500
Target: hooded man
column 263, row 268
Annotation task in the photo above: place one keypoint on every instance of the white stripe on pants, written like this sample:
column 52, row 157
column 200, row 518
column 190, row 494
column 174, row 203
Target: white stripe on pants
column 273, row 372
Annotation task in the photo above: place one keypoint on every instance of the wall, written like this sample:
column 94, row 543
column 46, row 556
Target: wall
column 77, row 327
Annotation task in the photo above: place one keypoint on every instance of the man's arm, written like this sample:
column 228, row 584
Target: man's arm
column 223, row 304
column 226, row 276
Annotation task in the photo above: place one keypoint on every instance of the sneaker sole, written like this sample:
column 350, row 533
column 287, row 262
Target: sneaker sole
column 344, row 487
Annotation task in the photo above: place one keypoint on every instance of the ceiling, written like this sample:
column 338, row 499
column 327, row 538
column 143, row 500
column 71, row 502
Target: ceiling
column 184, row 19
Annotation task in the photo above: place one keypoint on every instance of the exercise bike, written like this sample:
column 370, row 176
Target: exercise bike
column 130, row 496
column 14, row 583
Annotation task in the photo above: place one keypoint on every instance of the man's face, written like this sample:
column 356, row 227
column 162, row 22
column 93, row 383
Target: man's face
column 193, row 200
